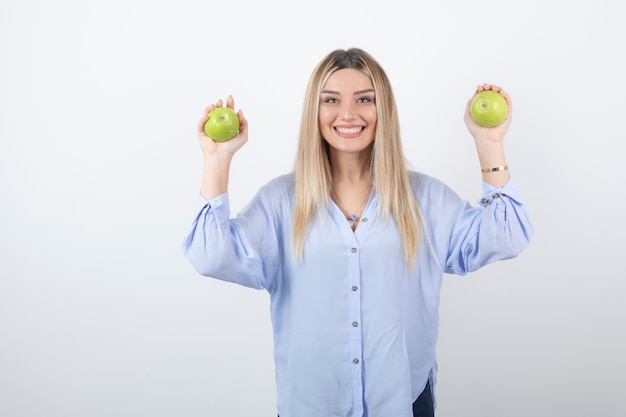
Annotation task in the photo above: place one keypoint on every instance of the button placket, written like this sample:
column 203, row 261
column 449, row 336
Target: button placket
column 354, row 294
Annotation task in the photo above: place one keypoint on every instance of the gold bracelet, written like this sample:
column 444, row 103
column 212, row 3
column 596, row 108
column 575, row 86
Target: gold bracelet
column 502, row 168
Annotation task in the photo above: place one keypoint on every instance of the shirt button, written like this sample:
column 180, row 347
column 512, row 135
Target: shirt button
column 355, row 324
column 496, row 195
column 355, row 360
column 364, row 220
column 353, row 250
column 484, row 200
column 354, row 288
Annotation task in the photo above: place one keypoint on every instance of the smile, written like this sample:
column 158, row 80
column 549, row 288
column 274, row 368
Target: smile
column 348, row 130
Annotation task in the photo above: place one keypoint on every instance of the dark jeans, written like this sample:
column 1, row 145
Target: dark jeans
column 424, row 405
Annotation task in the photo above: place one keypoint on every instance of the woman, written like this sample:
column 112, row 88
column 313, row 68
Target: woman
column 352, row 246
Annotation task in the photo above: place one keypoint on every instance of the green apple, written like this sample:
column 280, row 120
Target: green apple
column 222, row 124
column 489, row 108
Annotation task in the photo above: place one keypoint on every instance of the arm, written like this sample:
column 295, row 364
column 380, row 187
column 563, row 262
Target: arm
column 499, row 228
column 214, row 245
column 218, row 155
column 243, row 250
column 490, row 141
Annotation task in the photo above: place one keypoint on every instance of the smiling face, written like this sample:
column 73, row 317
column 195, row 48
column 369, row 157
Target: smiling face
column 347, row 111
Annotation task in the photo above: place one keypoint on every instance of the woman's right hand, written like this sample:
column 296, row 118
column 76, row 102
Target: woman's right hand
column 209, row 146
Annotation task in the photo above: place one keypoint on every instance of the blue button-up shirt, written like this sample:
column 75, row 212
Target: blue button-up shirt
column 355, row 327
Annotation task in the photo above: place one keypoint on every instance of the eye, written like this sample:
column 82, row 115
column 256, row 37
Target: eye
column 330, row 100
column 365, row 99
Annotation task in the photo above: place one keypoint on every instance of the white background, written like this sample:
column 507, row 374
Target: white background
column 101, row 315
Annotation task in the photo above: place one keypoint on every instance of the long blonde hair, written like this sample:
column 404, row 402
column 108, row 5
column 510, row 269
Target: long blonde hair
column 313, row 176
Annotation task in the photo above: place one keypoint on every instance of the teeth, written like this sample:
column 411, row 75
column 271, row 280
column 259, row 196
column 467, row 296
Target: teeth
column 348, row 131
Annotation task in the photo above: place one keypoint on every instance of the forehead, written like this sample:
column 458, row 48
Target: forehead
column 348, row 80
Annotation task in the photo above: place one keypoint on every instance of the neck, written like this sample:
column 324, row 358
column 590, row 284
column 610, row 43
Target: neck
column 351, row 196
column 351, row 168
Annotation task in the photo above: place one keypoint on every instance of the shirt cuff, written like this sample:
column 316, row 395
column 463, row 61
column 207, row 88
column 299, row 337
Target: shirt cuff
column 220, row 205
column 491, row 193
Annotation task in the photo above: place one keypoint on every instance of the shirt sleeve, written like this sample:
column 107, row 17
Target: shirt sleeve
column 240, row 250
column 498, row 228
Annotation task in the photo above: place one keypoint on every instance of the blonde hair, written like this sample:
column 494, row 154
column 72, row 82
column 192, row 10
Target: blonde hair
column 313, row 176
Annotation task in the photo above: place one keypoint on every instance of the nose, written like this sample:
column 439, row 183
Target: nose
column 347, row 110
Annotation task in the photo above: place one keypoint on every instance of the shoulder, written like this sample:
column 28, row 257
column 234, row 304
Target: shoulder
column 424, row 183
column 433, row 193
column 278, row 190
column 282, row 184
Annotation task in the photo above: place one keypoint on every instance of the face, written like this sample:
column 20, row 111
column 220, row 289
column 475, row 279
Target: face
column 347, row 111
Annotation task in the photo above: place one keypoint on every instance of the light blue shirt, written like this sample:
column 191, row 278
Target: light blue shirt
column 354, row 327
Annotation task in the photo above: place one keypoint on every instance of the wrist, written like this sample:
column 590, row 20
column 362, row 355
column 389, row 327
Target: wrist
column 494, row 169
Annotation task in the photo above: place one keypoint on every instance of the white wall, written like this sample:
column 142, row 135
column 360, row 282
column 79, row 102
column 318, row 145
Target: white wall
column 100, row 314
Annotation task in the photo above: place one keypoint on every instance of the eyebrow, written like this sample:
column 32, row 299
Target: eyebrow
column 367, row 90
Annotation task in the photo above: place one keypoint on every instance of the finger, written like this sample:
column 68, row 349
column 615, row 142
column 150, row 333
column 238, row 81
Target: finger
column 487, row 86
column 230, row 102
column 201, row 125
column 205, row 116
column 505, row 95
column 243, row 122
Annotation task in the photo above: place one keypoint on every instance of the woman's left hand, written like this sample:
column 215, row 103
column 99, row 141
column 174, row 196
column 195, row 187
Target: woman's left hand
column 495, row 133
